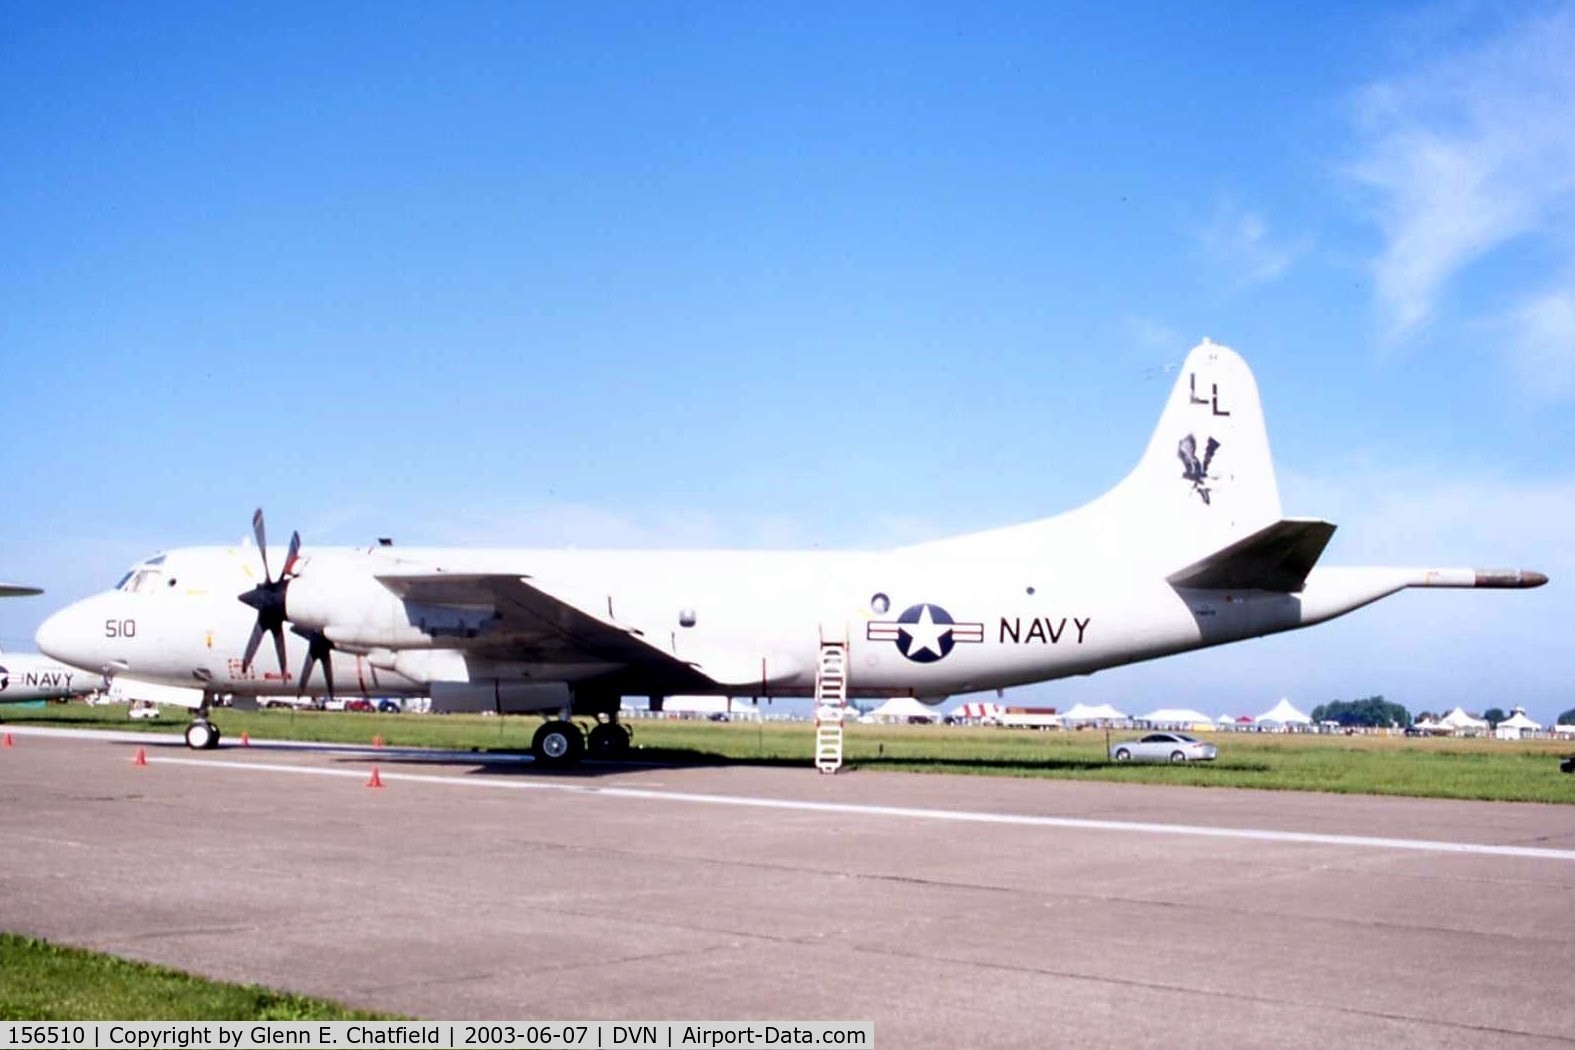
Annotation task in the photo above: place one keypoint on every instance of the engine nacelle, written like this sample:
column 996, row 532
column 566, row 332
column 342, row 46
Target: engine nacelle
column 337, row 592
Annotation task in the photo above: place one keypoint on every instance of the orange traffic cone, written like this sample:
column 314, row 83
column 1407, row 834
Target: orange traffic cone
column 8, row 742
column 377, row 741
column 376, row 781
column 141, row 759
column 246, row 739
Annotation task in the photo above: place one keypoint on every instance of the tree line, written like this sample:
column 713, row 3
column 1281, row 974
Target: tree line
column 1375, row 711
column 1370, row 711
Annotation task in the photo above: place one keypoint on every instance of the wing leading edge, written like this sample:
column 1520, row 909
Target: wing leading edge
column 526, row 624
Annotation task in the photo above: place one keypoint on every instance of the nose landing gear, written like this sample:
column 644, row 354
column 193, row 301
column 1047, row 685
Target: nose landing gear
column 202, row 735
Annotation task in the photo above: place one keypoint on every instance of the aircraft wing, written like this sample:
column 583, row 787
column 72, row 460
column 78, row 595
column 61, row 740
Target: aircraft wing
column 1276, row 558
column 530, row 625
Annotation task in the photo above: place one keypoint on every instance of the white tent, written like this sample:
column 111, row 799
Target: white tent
column 1092, row 713
column 1516, row 726
column 1458, row 721
column 979, row 711
column 901, row 709
column 1518, row 720
column 1176, row 716
column 1285, row 714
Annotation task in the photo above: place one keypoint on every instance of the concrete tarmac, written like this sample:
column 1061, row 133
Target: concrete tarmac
column 948, row 910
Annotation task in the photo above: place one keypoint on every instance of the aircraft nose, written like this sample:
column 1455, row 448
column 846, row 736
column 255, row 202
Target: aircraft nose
column 66, row 636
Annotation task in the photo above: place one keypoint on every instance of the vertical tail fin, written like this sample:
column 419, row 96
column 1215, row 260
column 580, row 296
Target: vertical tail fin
column 1205, row 481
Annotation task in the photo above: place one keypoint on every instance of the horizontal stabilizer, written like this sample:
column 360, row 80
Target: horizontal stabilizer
column 1277, row 558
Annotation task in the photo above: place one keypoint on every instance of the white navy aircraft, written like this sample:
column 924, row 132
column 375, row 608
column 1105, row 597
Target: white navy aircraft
column 26, row 677
column 1190, row 550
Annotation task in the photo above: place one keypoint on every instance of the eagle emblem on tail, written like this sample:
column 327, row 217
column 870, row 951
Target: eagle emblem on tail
column 1194, row 469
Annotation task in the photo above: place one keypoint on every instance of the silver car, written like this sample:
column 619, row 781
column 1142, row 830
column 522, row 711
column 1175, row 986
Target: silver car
column 1164, row 747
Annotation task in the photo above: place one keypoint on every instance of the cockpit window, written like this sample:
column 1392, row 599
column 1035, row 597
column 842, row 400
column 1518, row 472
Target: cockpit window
column 143, row 581
column 144, row 578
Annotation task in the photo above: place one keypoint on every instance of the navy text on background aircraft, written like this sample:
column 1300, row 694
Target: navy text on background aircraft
column 28, row 677
column 1189, row 550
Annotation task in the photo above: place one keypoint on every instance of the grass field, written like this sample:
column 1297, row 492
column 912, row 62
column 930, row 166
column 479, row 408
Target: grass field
column 1502, row 770
column 41, row 981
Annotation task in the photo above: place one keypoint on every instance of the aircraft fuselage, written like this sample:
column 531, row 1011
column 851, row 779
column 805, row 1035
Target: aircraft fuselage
column 751, row 622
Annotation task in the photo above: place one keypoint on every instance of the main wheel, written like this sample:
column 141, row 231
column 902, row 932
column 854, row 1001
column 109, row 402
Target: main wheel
column 609, row 740
column 202, row 736
column 1123, row 755
column 1177, row 756
column 558, row 744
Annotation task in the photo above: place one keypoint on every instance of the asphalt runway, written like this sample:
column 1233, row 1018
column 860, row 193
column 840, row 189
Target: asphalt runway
column 948, row 910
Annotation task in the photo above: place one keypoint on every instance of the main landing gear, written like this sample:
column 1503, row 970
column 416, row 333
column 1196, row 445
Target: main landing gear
column 559, row 743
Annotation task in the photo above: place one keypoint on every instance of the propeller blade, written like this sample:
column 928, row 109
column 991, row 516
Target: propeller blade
column 278, row 643
column 328, row 666
column 262, row 541
column 306, row 672
column 318, row 650
column 251, row 646
column 289, row 559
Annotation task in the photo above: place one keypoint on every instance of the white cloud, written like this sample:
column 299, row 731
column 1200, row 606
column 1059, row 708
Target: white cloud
column 1151, row 334
column 1466, row 154
column 1541, row 334
column 1238, row 241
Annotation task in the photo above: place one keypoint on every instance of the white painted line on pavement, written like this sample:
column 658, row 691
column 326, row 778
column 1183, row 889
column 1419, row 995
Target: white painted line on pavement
column 905, row 812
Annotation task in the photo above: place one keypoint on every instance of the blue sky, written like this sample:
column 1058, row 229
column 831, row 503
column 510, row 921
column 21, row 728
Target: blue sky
column 801, row 275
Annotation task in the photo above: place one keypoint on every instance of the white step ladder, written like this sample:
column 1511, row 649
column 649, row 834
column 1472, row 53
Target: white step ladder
column 831, row 703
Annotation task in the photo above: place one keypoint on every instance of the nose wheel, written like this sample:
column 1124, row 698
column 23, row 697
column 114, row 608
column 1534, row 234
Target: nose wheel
column 202, row 735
